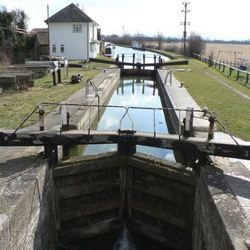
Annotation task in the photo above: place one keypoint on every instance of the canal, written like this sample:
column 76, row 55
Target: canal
column 138, row 99
column 137, row 92
column 128, row 55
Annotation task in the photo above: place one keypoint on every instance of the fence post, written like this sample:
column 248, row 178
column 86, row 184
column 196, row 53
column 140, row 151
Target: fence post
column 122, row 61
column 143, row 58
column 230, row 71
column 238, row 75
column 247, row 79
column 160, row 61
column 65, row 116
column 133, row 60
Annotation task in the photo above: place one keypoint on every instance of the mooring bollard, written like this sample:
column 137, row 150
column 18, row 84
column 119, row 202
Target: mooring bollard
column 64, row 117
column 170, row 75
column 59, row 76
column 54, row 77
column 188, row 122
column 41, row 118
column 211, row 127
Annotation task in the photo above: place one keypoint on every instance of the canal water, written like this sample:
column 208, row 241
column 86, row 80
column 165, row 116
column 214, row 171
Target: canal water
column 134, row 92
column 128, row 55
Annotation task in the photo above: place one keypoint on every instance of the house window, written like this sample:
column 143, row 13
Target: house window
column 77, row 28
column 54, row 48
column 62, row 48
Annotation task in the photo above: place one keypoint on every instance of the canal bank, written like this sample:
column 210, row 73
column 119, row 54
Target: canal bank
column 27, row 194
column 215, row 205
column 221, row 204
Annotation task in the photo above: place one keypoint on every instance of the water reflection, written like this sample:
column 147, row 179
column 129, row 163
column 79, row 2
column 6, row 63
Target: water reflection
column 140, row 93
column 128, row 55
column 125, row 241
column 128, row 52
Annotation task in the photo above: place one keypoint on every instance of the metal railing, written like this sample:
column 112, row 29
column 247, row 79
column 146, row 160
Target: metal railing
column 184, row 127
column 221, row 66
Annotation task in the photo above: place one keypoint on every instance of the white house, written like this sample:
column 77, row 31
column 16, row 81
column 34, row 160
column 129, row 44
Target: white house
column 72, row 34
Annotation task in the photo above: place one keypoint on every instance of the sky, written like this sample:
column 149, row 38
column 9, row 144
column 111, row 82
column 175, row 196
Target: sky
column 212, row 19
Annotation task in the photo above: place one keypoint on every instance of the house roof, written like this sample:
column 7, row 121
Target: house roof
column 43, row 38
column 71, row 13
column 41, row 34
column 38, row 30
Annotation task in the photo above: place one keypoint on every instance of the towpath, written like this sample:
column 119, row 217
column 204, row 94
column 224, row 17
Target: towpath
column 220, row 81
column 226, row 85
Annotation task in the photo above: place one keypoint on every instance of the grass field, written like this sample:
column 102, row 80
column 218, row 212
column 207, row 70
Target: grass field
column 229, row 53
column 231, row 109
column 15, row 106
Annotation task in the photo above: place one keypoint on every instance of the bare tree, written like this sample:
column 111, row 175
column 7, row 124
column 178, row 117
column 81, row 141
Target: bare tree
column 159, row 40
column 196, row 44
column 20, row 19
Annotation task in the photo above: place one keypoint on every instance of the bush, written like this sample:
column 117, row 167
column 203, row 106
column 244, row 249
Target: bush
column 196, row 44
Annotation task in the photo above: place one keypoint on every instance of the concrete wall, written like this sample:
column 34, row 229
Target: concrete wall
column 220, row 217
column 168, row 102
column 26, row 214
column 219, row 222
column 98, row 194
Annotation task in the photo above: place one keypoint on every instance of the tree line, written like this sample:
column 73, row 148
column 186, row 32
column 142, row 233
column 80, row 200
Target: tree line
column 195, row 43
column 13, row 39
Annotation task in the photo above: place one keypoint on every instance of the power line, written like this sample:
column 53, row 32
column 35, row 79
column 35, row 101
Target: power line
column 185, row 23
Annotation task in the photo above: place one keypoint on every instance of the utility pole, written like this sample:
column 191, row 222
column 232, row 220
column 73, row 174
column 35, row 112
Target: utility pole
column 185, row 23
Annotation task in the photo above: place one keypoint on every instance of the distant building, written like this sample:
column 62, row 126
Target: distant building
column 72, row 34
column 41, row 44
